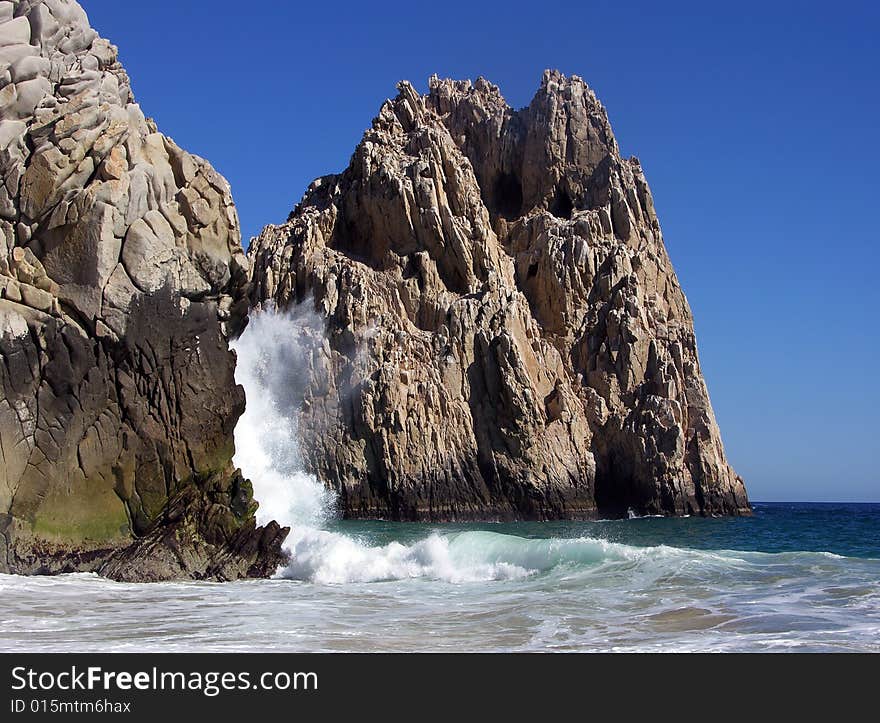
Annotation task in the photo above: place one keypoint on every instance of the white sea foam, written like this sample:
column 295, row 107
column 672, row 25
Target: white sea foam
column 328, row 557
column 588, row 595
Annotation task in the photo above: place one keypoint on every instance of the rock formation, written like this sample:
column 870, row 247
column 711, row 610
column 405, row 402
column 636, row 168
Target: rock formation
column 505, row 335
column 121, row 275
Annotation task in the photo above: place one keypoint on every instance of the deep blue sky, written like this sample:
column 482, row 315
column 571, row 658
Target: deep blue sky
column 757, row 125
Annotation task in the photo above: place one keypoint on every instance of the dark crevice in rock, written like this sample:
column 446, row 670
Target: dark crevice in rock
column 561, row 206
column 506, row 199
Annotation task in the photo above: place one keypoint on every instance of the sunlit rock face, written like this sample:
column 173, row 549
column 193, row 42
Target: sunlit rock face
column 121, row 277
column 504, row 334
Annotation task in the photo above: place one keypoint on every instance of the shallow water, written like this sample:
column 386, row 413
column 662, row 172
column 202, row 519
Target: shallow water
column 516, row 587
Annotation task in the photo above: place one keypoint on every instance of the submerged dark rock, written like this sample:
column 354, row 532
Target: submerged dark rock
column 121, row 278
column 505, row 334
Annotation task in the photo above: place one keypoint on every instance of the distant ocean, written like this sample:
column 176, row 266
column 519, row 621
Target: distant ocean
column 794, row 577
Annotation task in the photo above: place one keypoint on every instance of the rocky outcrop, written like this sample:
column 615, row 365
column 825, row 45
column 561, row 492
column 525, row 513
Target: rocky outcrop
column 121, row 276
column 505, row 336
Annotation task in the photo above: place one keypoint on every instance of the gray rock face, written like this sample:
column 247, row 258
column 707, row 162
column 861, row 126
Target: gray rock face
column 121, row 275
column 505, row 334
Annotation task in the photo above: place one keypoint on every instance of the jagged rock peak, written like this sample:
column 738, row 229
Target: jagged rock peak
column 121, row 275
column 506, row 337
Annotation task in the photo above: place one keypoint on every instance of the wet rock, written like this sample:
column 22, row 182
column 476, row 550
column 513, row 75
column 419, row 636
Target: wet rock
column 118, row 399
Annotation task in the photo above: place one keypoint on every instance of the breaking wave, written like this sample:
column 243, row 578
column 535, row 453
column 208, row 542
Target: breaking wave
column 272, row 354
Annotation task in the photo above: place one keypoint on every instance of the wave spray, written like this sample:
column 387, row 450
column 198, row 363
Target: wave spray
column 272, row 354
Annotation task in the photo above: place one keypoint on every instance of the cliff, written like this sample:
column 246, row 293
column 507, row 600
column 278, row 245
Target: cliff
column 504, row 335
column 121, row 277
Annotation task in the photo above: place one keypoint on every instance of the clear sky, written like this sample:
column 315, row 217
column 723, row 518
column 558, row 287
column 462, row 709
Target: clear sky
column 757, row 125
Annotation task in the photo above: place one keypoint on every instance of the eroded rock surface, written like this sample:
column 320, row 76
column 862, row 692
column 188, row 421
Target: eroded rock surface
column 505, row 334
column 121, row 276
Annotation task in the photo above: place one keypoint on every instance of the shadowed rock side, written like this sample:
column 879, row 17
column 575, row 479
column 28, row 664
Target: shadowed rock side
column 121, row 275
column 505, row 335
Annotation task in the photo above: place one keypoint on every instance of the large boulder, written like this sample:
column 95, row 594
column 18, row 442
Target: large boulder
column 121, row 277
column 503, row 335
